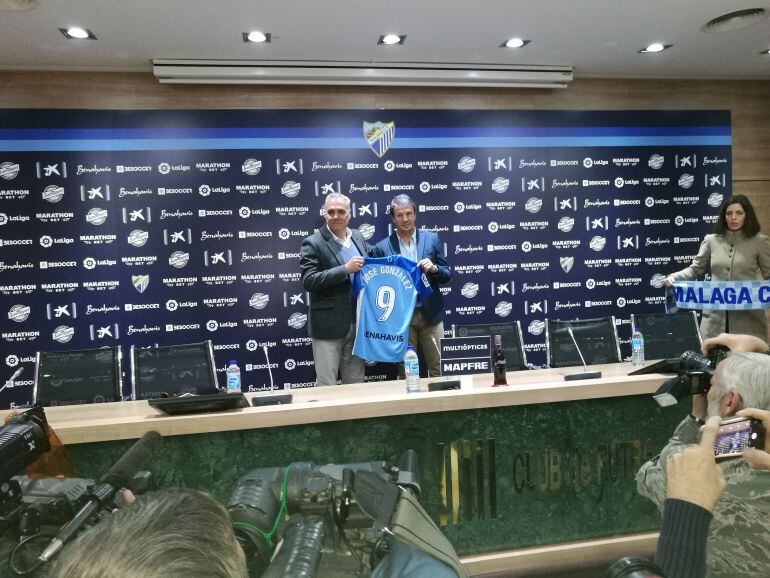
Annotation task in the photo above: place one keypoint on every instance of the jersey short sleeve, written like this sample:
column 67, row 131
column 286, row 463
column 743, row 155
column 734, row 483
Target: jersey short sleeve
column 386, row 290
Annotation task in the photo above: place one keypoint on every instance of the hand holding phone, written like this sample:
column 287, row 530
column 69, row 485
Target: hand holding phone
column 692, row 475
column 759, row 458
column 736, row 434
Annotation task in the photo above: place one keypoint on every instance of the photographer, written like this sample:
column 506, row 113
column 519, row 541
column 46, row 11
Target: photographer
column 739, row 537
column 171, row 533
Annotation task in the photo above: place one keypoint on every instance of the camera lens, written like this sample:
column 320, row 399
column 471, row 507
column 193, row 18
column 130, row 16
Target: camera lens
column 692, row 361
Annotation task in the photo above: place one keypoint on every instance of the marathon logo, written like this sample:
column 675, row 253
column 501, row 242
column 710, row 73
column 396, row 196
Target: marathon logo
column 535, row 266
column 213, row 167
column 220, row 302
column 57, row 217
column 432, row 165
column 290, row 211
column 219, row 279
column 566, row 244
column 686, row 200
column 21, row 289
column 470, row 310
column 101, row 285
column 628, row 281
column 179, row 281
column 467, row 185
column 662, row 260
column 501, row 205
column 468, row 269
column 628, row 261
column 139, row 261
column 14, row 193
column 98, row 239
column 596, row 263
column 59, row 287
column 502, row 267
column 252, row 189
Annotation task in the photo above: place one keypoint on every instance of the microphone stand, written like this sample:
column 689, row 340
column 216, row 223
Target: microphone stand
column 273, row 399
column 12, row 379
column 585, row 373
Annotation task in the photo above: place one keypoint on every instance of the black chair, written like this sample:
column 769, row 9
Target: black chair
column 78, row 376
column 513, row 343
column 597, row 339
column 173, row 370
column 668, row 335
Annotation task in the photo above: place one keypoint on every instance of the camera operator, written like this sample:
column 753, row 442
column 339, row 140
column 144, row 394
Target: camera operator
column 739, row 537
column 172, row 533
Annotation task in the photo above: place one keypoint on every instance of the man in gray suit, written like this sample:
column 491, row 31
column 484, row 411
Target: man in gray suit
column 328, row 260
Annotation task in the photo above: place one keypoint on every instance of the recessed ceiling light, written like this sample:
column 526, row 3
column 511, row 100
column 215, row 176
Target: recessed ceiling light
column 765, row 52
column 515, row 43
column 257, row 37
column 75, row 33
column 391, row 39
column 655, row 47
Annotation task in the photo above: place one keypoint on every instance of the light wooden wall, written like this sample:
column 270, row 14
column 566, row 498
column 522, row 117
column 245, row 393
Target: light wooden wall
column 749, row 102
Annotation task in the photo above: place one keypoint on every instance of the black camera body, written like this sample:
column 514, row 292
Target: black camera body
column 319, row 499
column 693, row 377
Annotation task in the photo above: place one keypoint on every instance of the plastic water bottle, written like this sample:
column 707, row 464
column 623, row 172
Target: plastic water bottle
column 412, row 370
column 233, row 377
column 637, row 347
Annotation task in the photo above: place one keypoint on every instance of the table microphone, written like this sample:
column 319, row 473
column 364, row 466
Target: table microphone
column 269, row 371
column 12, row 379
column 104, row 491
column 585, row 374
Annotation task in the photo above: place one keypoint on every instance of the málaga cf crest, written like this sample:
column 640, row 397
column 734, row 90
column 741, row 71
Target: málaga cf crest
column 567, row 263
column 379, row 136
column 140, row 282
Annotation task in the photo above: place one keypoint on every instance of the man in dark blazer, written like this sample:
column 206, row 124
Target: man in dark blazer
column 328, row 260
column 423, row 247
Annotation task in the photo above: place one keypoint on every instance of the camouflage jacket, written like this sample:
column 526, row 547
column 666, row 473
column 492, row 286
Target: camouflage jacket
column 739, row 535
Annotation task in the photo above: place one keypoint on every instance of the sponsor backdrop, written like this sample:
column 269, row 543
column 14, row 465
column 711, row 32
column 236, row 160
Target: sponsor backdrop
column 162, row 227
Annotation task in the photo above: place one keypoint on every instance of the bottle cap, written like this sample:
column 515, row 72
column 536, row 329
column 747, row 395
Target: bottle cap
column 233, row 362
column 408, row 347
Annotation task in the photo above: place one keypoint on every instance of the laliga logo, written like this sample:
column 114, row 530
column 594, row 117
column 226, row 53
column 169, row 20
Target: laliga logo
column 679, row 220
column 172, row 305
column 503, row 309
column 533, row 205
column 204, row 190
column 252, row 345
column 536, row 327
column 164, row 168
column 590, row 283
column 389, row 166
column 565, row 224
column 492, row 227
column 12, row 360
column 212, row 325
column 46, row 241
column 526, row 246
column 459, row 207
column 657, row 280
column 588, row 162
column 621, row 302
column 649, row 202
column 284, row 234
column 597, row 243
column 424, row 187
column 290, row 364
column 244, row 212
column 619, row 182
column 470, row 290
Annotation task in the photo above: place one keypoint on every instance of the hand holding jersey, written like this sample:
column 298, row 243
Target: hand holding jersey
column 386, row 289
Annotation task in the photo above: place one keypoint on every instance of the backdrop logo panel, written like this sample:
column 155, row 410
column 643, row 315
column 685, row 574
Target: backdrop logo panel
column 162, row 227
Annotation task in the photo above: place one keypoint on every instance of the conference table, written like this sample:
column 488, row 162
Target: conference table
column 536, row 474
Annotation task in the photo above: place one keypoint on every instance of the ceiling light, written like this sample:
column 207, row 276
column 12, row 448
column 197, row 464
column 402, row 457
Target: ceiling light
column 655, row 47
column 75, row 33
column 391, row 39
column 765, row 52
column 257, row 37
column 515, row 43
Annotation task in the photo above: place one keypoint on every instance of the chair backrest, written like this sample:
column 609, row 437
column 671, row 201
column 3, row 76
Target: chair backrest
column 513, row 344
column 597, row 339
column 668, row 335
column 173, row 370
column 78, row 376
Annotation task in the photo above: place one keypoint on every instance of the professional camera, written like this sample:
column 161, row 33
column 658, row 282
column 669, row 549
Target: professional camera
column 694, row 376
column 319, row 500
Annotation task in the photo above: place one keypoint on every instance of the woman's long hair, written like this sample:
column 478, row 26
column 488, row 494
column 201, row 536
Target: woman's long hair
column 750, row 222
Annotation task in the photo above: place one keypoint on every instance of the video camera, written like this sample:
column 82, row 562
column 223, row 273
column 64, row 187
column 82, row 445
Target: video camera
column 694, row 376
column 319, row 499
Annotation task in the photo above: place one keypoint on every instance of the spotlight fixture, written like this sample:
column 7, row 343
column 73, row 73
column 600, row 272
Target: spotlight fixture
column 655, row 47
column 515, row 43
column 391, row 39
column 75, row 33
column 765, row 51
column 257, row 37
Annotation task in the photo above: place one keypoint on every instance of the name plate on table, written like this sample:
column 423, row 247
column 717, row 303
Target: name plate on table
column 464, row 355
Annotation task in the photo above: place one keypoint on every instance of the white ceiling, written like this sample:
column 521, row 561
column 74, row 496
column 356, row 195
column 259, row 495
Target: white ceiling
column 600, row 38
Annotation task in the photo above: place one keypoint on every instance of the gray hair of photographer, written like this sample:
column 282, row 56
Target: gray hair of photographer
column 173, row 533
column 745, row 376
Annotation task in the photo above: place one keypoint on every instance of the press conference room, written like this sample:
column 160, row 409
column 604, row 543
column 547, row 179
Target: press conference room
column 231, row 224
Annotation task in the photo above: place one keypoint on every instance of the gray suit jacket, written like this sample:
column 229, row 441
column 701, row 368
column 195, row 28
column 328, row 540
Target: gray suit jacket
column 324, row 277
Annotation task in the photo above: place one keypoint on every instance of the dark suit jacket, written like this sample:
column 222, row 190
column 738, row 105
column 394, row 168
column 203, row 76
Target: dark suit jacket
column 428, row 246
column 324, row 277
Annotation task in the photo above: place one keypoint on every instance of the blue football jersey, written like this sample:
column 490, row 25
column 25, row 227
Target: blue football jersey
column 386, row 289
